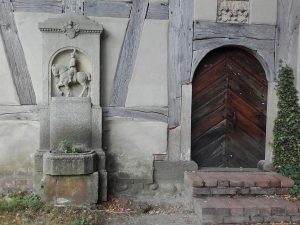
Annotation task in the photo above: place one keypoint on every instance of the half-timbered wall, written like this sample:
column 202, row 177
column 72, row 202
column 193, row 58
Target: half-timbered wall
column 149, row 50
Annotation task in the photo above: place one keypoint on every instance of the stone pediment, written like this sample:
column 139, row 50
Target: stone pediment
column 71, row 25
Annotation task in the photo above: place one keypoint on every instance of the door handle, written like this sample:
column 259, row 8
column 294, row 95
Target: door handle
column 234, row 119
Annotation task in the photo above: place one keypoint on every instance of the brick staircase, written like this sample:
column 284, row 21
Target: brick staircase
column 241, row 197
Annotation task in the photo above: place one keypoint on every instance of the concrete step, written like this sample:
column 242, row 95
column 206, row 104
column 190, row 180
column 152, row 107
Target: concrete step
column 209, row 183
column 246, row 210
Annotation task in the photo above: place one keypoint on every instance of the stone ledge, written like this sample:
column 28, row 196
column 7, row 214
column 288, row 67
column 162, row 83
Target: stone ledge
column 69, row 163
column 227, row 210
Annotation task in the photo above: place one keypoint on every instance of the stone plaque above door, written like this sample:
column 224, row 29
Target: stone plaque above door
column 233, row 11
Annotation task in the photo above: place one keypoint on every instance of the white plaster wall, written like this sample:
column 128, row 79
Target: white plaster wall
column 19, row 140
column 148, row 86
column 111, row 45
column 131, row 145
column 205, row 10
column 8, row 93
column 31, row 40
column 263, row 12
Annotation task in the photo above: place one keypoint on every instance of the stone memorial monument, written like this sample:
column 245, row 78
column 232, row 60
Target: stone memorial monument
column 70, row 164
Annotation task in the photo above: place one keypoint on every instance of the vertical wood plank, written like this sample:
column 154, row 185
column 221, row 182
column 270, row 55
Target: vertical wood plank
column 180, row 54
column 287, row 32
column 15, row 55
column 158, row 10
column 186, row 122
column 75, row 6
column 180, row 51
column 129, row 52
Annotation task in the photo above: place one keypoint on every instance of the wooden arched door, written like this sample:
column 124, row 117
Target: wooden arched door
column 229, row 110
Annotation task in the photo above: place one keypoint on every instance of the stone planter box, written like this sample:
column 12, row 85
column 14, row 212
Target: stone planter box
column 62, row 164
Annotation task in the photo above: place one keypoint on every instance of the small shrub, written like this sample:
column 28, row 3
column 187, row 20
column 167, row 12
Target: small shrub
column 15, row 203
column 83, row 221
column 287, row 129
column 67, row 147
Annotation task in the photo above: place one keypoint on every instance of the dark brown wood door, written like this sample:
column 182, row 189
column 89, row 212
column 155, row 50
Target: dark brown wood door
column 229, row 110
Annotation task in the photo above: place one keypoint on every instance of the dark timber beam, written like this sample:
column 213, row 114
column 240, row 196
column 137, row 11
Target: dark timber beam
column 75, row 6
column 48, row 6
column 100, row 8
column 107, row 8
column 209, row 30
column 15, row 55
column 155, row 114
column 129, row 52
column 26, row 112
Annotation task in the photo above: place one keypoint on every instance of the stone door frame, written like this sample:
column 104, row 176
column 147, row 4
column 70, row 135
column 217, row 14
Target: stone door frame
column 260, row 45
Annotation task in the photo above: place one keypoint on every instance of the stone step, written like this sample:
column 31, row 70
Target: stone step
column 246, row 210
column 207, row 183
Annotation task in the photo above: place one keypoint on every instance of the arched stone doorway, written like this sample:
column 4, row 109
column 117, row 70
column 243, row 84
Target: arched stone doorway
column 229, row 110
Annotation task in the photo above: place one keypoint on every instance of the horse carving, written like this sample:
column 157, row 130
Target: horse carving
column 63, row 74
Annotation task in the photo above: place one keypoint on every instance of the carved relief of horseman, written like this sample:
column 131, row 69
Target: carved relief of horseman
column 69, row 76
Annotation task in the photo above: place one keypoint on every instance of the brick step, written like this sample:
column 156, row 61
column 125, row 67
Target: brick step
column 246, row 210
column 199, row 183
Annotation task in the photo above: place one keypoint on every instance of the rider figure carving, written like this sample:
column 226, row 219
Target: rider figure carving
column 72, row 67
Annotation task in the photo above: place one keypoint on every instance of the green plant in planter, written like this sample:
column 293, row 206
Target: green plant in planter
column 287, row 129
column 67, row 147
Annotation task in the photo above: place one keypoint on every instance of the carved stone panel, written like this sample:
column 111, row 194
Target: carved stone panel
column 233, row 11
column 71, row 74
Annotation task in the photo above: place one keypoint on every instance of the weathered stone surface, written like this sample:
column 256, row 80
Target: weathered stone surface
column 37, row 178
column 265, row 166
column 228, row 210
column 233, row 11
column 38, row 160
column 70, row 119
column 71, row 190
column 69, row 163
column 102, row 186
column 166, row 171
column 210, row 183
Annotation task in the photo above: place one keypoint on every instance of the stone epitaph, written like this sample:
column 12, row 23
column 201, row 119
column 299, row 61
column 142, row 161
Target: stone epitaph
column 233, row 11
column 70, row 164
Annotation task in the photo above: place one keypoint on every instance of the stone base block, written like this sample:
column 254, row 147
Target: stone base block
column 102, row 186
column 265, row 166
column 168, row 172
column 37, row 182
column 71, row 190
column 38, row 160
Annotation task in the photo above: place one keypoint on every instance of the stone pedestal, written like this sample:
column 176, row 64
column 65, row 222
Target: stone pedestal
column 70, row 165
column 71, row 190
